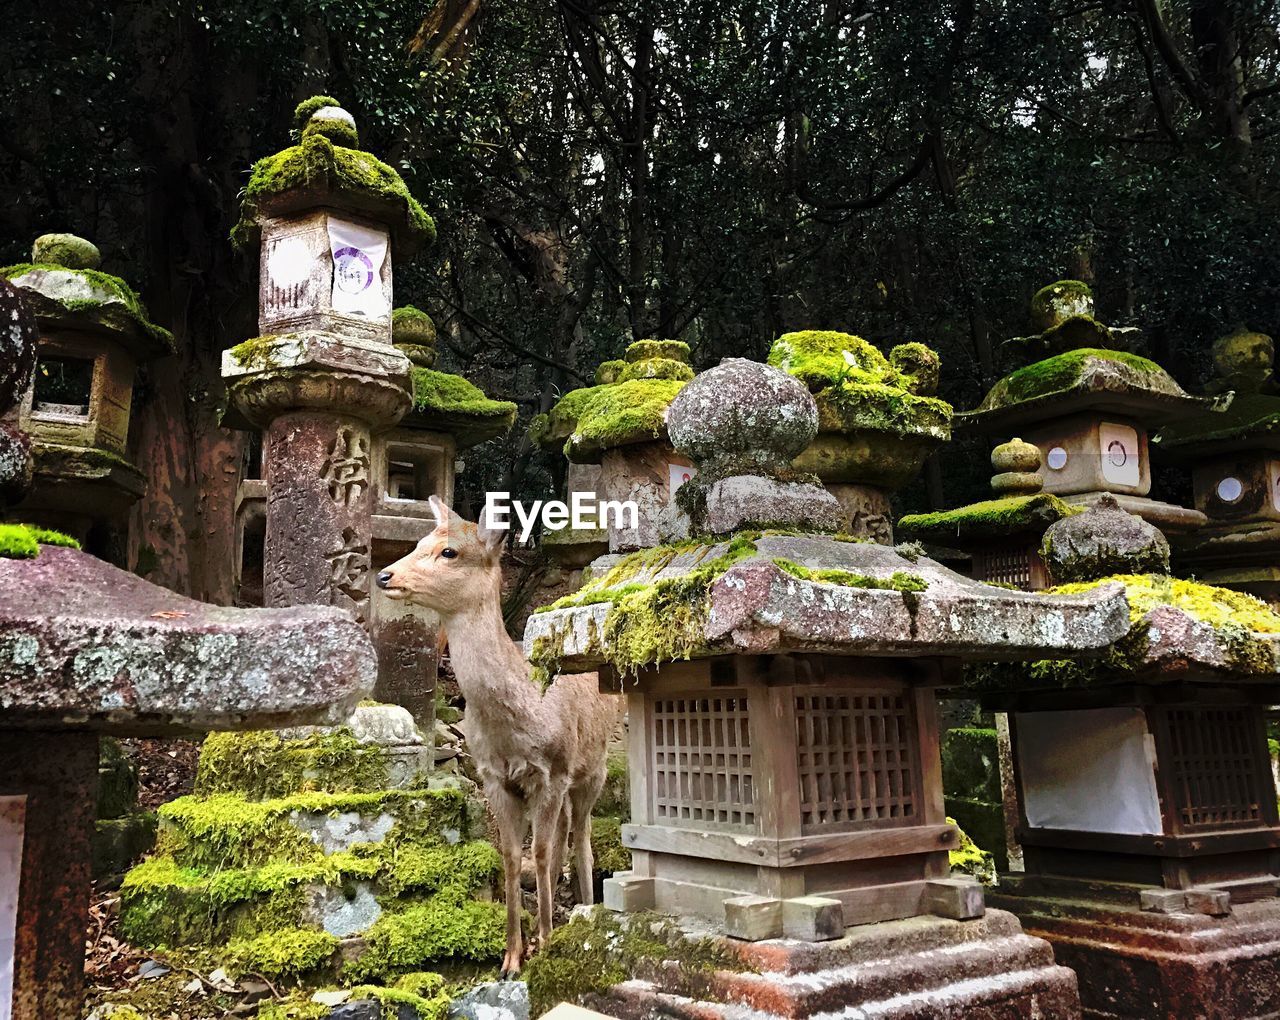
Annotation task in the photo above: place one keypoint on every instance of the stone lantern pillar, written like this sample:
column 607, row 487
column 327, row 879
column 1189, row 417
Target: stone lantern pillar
column 1145, row 804
column 878, row 420
column 94, row 333
column 328, row 220
column 786, row 779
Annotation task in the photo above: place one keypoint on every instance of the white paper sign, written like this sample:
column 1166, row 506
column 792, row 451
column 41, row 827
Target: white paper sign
column 358, row 254
column 1120, row 454
column 12, row 826
column 1088, row 769
column 1273, row 480
column 677, row 475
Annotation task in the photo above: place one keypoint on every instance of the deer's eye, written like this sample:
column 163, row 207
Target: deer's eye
column 448, row 553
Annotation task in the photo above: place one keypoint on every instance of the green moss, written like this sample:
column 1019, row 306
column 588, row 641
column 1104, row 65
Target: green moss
column 258, row 352
column 444, row 393
column 444, row 868
column 656, row 368
column 606, row 846
column 1048, row 301
column 337, row 130
column 318, row 163
column 303, row 111
column 970, row 859
column 23, row 541
column 425, row 1007
column 119, row 298
column 919, row 366
column 615, row 798
column 822, row 357
column 258, row 765
column 407, row 939
column 296, row 1008
column 288, row 953
column 619, row 414
column 970, row 763
column 410, row 325
column 663, row 350
column 990, row 518
column 1075, row 332
column 875, row 407
column 66, row 250
column 592, row 953
column 1249, row 416
column 609, row 371
column 899, row 581
column 1065, row 372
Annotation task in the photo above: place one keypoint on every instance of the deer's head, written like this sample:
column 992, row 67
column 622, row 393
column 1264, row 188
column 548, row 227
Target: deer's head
column 453, row 569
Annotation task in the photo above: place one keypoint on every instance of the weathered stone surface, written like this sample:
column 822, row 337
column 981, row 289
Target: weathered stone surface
column 83, row 643
column 118, row 843
column 497, row 1000
column 341, row 911
column 65, row 250
column 15, row 464
column 752, row 501
column 742, row 412
column 17, row 345
column 1103, row 540
column 865, row 511
column 757, row 607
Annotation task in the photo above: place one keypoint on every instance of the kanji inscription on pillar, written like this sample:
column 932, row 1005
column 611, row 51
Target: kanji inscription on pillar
column 349, row 575
column 346, row 470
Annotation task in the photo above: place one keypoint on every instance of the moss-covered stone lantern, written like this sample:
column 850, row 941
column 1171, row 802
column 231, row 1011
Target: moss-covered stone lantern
column 620, row 424
column 878, row 419
column 1145, row 804
column 1088, row 407
column 1000, row 536
column 785, row 777
column 94, row 333
column 1234, row 458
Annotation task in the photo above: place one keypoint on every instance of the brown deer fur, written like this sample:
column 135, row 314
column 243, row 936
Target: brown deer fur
column 541, row 757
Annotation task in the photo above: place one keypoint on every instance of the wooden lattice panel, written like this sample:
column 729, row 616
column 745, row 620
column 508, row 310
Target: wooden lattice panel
column 857, row 758
column 1013, row 566
column 1213, row 768
column 702, row 761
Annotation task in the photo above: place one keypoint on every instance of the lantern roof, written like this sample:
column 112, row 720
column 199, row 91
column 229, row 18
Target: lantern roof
column 65, row 289
column 449, row 403
column 328, row 169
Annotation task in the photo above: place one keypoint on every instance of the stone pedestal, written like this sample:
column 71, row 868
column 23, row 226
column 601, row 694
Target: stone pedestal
column 922, row 967
column 1142, row 965
column 866, row 511
column 645, row 473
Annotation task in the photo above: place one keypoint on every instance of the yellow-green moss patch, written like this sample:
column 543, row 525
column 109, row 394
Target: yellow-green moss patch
column 990, row 518
column 23, row 541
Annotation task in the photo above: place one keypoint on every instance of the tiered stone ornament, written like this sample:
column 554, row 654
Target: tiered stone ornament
column 1146, row 808
column 1234, row 458
column 878, row 420
column 1000, row 536
column 620, row 424
column 1088, row 408
column 785, row 776
column 323, row 376
column 94, row 333
column 87, row 649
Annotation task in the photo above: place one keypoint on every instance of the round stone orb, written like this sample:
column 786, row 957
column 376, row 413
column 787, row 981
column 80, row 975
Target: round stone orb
column 336, row 124
column 1244, row 359
column 1103, row 541
column 66, row 250
column 410, row 325
column 1058, row 302
column 742, row 409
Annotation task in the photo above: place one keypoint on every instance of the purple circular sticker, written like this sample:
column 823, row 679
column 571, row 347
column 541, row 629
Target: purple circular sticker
column 352, row 270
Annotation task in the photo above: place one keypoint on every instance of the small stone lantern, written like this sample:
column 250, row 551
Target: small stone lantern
column 1146, row 809
column 1234, row 458
column 1001, row 536
column 1088, row 408
column 785, row 777
column 878, row 420
column 94, row 333
column 620, row 423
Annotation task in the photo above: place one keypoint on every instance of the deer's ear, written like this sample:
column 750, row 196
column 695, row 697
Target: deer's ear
column 491, row 537
column 440, row 509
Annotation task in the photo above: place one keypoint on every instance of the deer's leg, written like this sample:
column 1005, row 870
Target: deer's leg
column 509, row 812
column 546, row 823
column 580, row 804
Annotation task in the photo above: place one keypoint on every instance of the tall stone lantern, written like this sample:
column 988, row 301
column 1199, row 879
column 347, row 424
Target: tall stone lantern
column 878, row 420
column 94, row 333
column 1145, row 804
column 328, row 220
column 785, row 774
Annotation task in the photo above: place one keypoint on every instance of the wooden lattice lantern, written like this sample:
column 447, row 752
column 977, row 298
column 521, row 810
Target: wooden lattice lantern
column 785, row 768
column 94, row 333
column 1088, row 408
column 1001, row 536
column 878, row 420
column 1234, row 457
column 1146, row 808
column 620, row 424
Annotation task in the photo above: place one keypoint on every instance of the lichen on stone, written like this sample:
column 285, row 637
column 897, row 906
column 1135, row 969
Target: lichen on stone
column 259, row 765
column 1066, row 372
column 289, row 953
column 899, row 581
column 620, row 414
column 441, row 393
column 257, row 352
column 23, row 541
column 410, row 325
column 1249, row 416
column 1059, row 301
column 990, row 518
column 970, row 859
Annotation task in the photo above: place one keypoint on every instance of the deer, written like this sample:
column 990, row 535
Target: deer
column 540, row 756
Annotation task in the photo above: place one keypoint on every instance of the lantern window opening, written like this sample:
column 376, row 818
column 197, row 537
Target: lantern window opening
column 63, row 386
column 414, row 473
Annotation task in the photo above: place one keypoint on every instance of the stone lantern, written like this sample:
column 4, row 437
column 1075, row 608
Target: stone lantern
column 328, row 219
column 1088, row 408
column 88, row 649
column 878, row 420
column 620, row 423
column 94, row 333
column 1234, row 457
column 1145, row 803
column 1000, row 536
column 785, row 776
